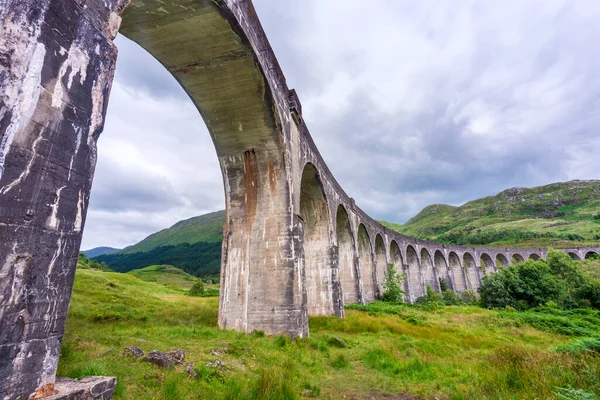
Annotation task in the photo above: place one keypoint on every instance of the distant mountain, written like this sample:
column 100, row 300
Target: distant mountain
column 193, row 245
column 561, row 214
column 98, row 251
column 205, row 228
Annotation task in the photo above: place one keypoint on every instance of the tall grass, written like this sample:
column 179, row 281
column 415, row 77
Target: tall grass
column 376, row 351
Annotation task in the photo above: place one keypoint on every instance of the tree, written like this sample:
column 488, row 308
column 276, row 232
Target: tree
column 197, row 289
column 393, row 286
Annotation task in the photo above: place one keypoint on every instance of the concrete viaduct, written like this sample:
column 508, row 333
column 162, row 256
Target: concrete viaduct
column 295, row 244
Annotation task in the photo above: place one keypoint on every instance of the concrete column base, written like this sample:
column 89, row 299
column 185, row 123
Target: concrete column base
column 90, row 388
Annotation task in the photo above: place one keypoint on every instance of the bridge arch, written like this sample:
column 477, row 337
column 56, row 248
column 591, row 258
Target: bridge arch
column 414, row 273
column 517, row 259
column 346, row 258
column 574, row 255
column 380, row 261
column 534, row 257
column 366, row 264
column 472, row 271
column 459, row 278
column 396, row 259
column 590, row 255
column 316, row 227
column 443, row 272
column 428, row 271
column 487, row 264
column 501, row 260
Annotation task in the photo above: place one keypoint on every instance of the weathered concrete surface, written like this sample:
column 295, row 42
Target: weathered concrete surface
column 56, row 67
column 294, row 242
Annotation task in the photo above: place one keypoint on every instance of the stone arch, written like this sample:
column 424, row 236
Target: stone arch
column 471, row 271
column 574, row 255
column 517, row 259
column 314, row 212
column 487, row 264
column 347, row 262
column 458, row 272
column 534, row 257
column 366, row 264
column 414, row 273
column 396, row 260
column 428, row 271
column 590, row 255
column 501, row 260
column 380, row 262
column 441, row 267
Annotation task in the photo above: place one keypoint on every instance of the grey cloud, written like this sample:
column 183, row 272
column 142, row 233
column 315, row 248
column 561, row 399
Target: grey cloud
column 410, row 103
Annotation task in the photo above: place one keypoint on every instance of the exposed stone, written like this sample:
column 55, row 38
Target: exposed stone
column 90, row 388
column 161, row 359
column 215, row 364
column 132, row 351
column 190, row 368
column 178, row 355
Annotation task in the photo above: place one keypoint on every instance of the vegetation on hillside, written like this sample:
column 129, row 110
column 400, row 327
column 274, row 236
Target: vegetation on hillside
column 206, row 228
column 558, row 281
column 85, row 263
column 558, row 215
column 378, row 350
column 166, row 275
column 198, row 259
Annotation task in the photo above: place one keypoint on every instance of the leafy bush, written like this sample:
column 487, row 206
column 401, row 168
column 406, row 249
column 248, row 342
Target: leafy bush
column 556, row 281
column 469, row 297
column 451, row 298
column 197, row 289
column 392, row 286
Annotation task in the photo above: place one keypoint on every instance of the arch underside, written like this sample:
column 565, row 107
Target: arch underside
column 428, row 271
column 459, row 279
column 348, row 264
column 417, row 289
column 487, row 264
column 381, row 263
column 472, row 271
column 443, row 272
column 314, row 212
column 367, row 265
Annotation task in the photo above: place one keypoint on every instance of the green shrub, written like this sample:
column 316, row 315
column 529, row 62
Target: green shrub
column 451, row 298
column 555, row 282
column 469, row 297
column 197, row 289
column 392, row 286
column 430, row 296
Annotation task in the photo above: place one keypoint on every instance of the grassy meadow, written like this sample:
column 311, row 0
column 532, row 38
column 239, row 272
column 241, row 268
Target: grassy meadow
column 378, row 351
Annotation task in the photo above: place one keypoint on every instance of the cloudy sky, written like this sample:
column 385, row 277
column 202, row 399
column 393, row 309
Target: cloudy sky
column 410, row 103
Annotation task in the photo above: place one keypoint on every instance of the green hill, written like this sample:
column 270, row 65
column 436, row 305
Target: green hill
column 193, row 245
column 167, row 275
column 206, row 228
column 561, row 214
